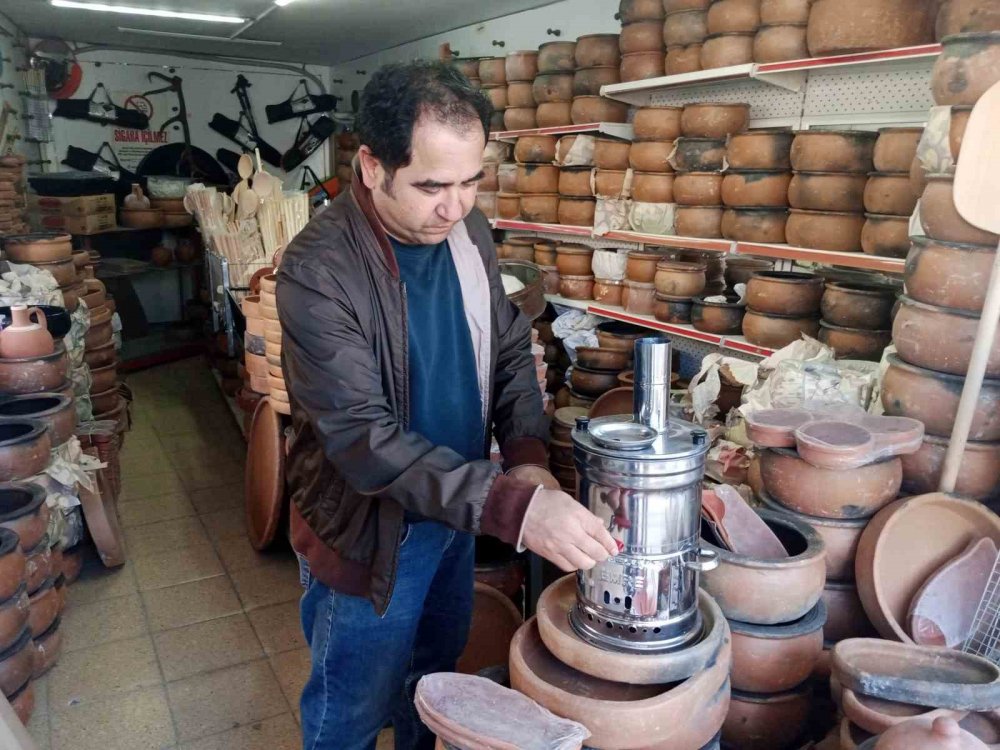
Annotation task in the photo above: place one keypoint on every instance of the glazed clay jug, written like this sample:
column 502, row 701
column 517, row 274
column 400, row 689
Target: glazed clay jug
column 921, row 734
column 136, row 199
column 23, row 337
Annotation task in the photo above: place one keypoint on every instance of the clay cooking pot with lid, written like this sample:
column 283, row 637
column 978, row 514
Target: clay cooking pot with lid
column 775, row 658
column 785, row 293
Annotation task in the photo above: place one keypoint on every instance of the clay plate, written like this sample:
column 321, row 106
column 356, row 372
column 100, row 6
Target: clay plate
column 265, row 475
column 495, row 619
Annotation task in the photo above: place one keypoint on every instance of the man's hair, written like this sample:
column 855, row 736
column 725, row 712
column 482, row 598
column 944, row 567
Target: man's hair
column 400, row 94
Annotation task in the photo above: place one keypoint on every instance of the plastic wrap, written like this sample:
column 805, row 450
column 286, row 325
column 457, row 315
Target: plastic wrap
column 609, row 264
column 472, row 713
column 580, row 154
column 652, row 218
column 610, row 215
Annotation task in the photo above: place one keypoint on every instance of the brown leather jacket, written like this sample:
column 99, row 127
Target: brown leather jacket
column 353, row 468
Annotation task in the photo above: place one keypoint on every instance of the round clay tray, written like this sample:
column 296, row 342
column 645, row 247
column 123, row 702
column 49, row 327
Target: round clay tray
column 265, row 475
column 775, row 428
column 495, row 619
column 553, row 610
column 102, row 521
column 905, row 543
column 614, row 402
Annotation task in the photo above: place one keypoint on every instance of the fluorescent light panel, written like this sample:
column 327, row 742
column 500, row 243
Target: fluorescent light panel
column 130, row 10
column 198, row 37
column 283, row 3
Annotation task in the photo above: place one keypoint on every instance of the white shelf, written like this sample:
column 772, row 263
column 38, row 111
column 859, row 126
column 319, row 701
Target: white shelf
column 613, row 129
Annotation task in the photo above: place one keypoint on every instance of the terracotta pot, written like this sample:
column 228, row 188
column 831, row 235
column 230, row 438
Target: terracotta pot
column 713, row 120
column 855, row 343
column 575, row 181
column 698, row 221
column 490, row 182
column 833, row 151
column 698, row 188
column 576, row 211
column 969, row 64
column 825, row 230
column 553, row 87
column 698, row 155
column 611, row 154
column 733, row 15
column 956, row 133
column 38, row 247
column 594, row 50
column 889, row 194
column 587, row 109
column 777, row 331
column 779, row 43
column 553, row 115
column 550, row 279
column 638, row 66
column 667, row 309
column 886, row 235
column 540, row 208
column 497, row 95
column 545, row 253
column 107, row 400
column 785, row 293
column 12, row 564
column 492, row 71
column 556, row 57
column 638, row 297
column 757, row 189
column 657, row 123
column 686, row 59
column 17, row 664
column 596, row 358
column 537, row 178
column 640, row 10
column 859, row 493
column 641, row 265
column 44, row 608
column 940, row 338
column 535, row 149
column 13, row 616
column 508, row 205
column 576, row 287
column 608, row 292
column 48, row 647
column 723, row 50
column 767, row 722
column 978, row 476
column 740, row 269
column 896, row 148
column 141, row 218
column 641, row 36
column 589, row 382
column 652, row 187
column 520, row 118
column 616, row 335
column 967, row 268
column 838, row 27
column 521, row 66
column 55, row 410
column 773, row 12
column 24, row 448
column 723, row 318
column 858, row 305
column 942, row 220
column 519, row 248
column 685, row 27
column 918, row 176
column 679, row 279
column 651, row 156
column 755, row 224
column 39, row 565
column 845, row 615
column 827, row 191
column 520, row 94
column 101, row 355
column 609, row 184
column 960, row 16
column 588, row 81
column 760, row 149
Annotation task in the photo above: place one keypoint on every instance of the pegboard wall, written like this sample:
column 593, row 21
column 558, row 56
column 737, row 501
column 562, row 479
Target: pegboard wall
column 770, row 106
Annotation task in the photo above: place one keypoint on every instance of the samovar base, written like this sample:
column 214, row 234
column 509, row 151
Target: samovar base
column 619, row 634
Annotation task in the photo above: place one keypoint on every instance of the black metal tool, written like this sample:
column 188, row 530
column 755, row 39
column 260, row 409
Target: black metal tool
column 104, row 112
column 300, row 105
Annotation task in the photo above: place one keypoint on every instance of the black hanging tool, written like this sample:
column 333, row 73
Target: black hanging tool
column 186, row 165
column 105, row 113
column 90, row 161
column 300, row 105
column 310, row 137
column 244, row 130
column 318, row 193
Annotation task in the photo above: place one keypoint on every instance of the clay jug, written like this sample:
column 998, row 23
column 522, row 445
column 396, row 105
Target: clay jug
column 922, row 734
column 24, row 338
column 136, row 199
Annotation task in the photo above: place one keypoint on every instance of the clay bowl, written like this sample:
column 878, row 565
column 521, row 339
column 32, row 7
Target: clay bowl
column 698, row 188
column 576, row 211
column 889, row 194
column 16, row 663
column 39, row 247
column 845, row 615
column 968, row 65
column 553, row 114
column 723, row 50
column 639, row 66
column 698, row 221
column 896, row 555
column 884, row 25
column 785, row 293
column 685, row 59
column 756, row 189
column 44, row 608
column 13, row 616
column 640, row 10
column 593, row 50
column 940, row 338
column 686, row 714
column 497, row 95
column 833, row 151
column 668, row 309
column 521, row 66
column 760, row 149
column 777, row 331
column 829, row 493
column 779, row 43
column 611, row 154
column 895, row 149
column 978, row 475
column 554, row 57
column 661, row 123
column 564, row 422
column 642, row 36
column 542, row 209
column 723, row 318
column 941, row 219
column 876, row 715
column 932, row 397
column 537, row 178
column 55, row 410
column 739, row 270
column 768, row 592
column 775, row 658
column 535, row 149
column 828, row 191
column 966, row 267
column 57, row 319
column 679, row 278
column 100, row 355
column 103, row 378
column 652, row 187
column 48, row 647
column 588, row 81
column 855, row 343
column 685, row 27
column 714, row 120
column 621, row 336
column 544, row 253
column 886, row 235
column 698, row 154
column 651, row 156
column 825, row 230
column 596, row 358
column 24, row 448
column 858, row 305
column 767, row 722
column 755, row 224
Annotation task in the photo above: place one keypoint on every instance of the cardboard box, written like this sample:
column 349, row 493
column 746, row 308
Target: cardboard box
column 90, row 224
column 82, row 205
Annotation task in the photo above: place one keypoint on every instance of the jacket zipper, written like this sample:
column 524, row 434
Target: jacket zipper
column 406, row 425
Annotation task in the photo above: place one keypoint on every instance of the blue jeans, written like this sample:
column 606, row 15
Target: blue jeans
column 365, row 668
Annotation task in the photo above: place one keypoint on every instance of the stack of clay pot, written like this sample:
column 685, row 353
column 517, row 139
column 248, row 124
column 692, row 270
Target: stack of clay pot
column 684, row 31
column 732, row 26
column 12, row 195
column 677, row 283
column 642, row 39
column 537, row 180
column 52, row 252
column 781, row 307
column 561, row 448
column 857, row 319
column 827, row 193
column 782, row 31
column 520, row 69
column 889, row 196
column 254, row 350
column 574, row 267
column 656, row 131
column 552, row 88
column 577, row 204
column 273, row 379
column 639, row 292
column 493, row 78
column 489, row 188
column 759, row 164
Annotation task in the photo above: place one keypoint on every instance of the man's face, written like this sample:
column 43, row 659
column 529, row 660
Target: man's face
column 422, row 201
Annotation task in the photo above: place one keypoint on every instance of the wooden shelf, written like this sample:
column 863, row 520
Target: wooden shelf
column 613, row 129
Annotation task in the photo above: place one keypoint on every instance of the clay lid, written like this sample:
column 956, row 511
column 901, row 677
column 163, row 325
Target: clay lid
column 926, row 734
column 265, row 475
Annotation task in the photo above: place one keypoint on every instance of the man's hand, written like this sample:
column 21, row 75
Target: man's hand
column 534, row 475
column 565, row 533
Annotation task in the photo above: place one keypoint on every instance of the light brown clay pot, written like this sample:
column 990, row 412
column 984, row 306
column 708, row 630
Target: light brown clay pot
column 777, row 331
column 575, row 181
column 978, row 475
column 12, row 564
column 101, row 355
column 698, row 188
column 833, row 151
column 767, row 722
column 685, row 27
column 858, row 305
column 595, row 50
column 652, row 187
column 967, row 268
column 779, row 43
column 508, row 205
column 553, row 87
column 889, row 194
column 825, row 230
column 668, row 309
column 609, row 184
column 672, row 6
column 714, row 120
column 942, row 220
column 521, row 66
column 968, row 65
column 574, row 260
column 44, row 608
column 577, row 212
column 698, row 155
column 553, row 114
column 520, row 118
column 722, row 318
column 940, row 338
column 845, row 615
column 956, row 132
column 774, row 658
column 755, row 189
column 932, row 397
column 641, row 36
column 785, row 293
column 608, row 292
column 497, row 95
column 492, row 71
column 592, row 382
column 651, row 156
column 784, row 11
column 755, row 224
column 520, row 94
column 723, row 50
column 556, row 57
column 638, row 297
column 829, row 493
column 540, row 208
column 886, row 235
column 895, row 149
column 839, row 27
column 615, row 335
column 13, row 616
column 679, row 279
column 960, row 16
column 638, row 66
column 827, row 191
column 596, row 358
column 611, row 154
column 537, row 178
column 39, row 565
column 17, row 664
column 698, row 221
column 535, row 149
column 587, row 109
column 576, row 287
column 141, row 218
column 588, row 81
column 760, row 149
column 855, row 343
column 657, row 123
column 733, row 15
column 640, row 10
column 39, row 247
column 685, row 59
column 641, row 265
column 877, row 715
column 518, row 248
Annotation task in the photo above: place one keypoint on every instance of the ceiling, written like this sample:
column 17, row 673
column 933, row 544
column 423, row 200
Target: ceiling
column 323, row 32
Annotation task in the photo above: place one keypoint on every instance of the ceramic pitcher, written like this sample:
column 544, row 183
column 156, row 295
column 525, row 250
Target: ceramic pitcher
column 23, row 337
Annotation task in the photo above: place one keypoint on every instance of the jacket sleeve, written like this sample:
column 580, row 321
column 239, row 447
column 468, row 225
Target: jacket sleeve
column 334, row 378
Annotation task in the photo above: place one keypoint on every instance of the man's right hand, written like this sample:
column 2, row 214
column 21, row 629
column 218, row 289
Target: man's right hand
column 565, row 533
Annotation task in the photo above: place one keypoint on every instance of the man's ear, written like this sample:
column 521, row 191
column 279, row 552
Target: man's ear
column 371, row 167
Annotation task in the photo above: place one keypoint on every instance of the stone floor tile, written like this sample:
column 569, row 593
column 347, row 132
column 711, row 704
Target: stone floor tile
column 154, row 509
column 175, row 568
column 188, row 603
column 139, row 720
column 103, row 621
column 271, row 583
column 280, row 733
column 205, row 646
column 108, row 669
column 292, row 669
column 278, row 627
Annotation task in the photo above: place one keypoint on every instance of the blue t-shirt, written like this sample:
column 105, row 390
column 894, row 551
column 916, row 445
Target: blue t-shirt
column 445, row 404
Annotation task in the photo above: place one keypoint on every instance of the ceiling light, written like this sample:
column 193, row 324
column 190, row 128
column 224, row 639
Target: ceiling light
column 198, row 37
column 283, row 3
column 147, row 11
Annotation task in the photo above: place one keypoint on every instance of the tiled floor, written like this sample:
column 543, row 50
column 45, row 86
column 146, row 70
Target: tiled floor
column 195, row 643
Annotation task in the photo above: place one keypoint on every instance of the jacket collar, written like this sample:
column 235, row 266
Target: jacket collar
column 363, row 197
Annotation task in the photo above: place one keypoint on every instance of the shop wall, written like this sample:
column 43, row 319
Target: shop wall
column 12, row 57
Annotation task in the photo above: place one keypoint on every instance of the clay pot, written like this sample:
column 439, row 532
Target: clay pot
column 141, row 218
column 520, row 118
column 24, row 448
column 889, row 194
column 622, row 336
column 698, row 155
column 521, row 66
column 16, row 664
column 767, row 722
column 785, row 293
column 556, row 57
column 576, row 287
column 492, row 71
column 956, row 132
column 978, row 476
column 550, row 280
column 960, row 16
column 497, row 95
column 827, row 191
column 638, row 297
column 760, row 149
column 541, row 208
column 575, row 181
column 758, row 189
column 588, row 81
column 918, row 176
column 657, row 123
column 829, row 493
column 685, row 27
column 611, row 154
column 520, row 94
column 773, row 12
column 777, row 331
column 739, row 269
column 779, row 43
column 896, row 148
column 942, row 220
column 588, row 109
column 545, row 253
column 589, row 382
column 641, row 265
column 537, row 178
column 13, row 615
column 608, row 292
column 722, row 318
column 667, row 309
column 594, row 50
column 679, row 279
column 969, row 64
column 652, row 187
column 39, row 565
column 755, row 224
column 855, row 343
column 686, row 59
column 768, row 592
column 838, row 27
column 940, row 338
column 55, row 410
column 535, row 149
column 886, row 235
column 698, row 188
column 44, row 608
column 553, row 115
column 48, row 647
column 12, row 564
column 519, row 248
column 833, row 151
column 651, row 156
column 553, row 87
column 640, row 10
column 101, row 355
column 723, row 50
column 576, row 211
column 596, row 358
column 858, row 305
column 713, row 120
column 638, row 66
column 825, row 230
column 698, row 221
column 845, row 615
column 642, row 36
column 39, row 247
column 609, row 184
column 967, row 268
column 733, row 16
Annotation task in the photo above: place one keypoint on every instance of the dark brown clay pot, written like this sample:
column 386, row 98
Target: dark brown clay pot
column 956, row 132
column 34, row 374
column 733, row 15
column 686, row 59
column 540, row 208
column 520, row 94
column 940, row 338
column 672, row 310
column 722, row 318
column 641, row 36
column 755, row 224
column 638, row 66
column 588, row 81
column 605, row 360
column 932, row 397
column 785, row 293
column 575, row 182
column 858, row 305
column 889, row 194
column 825, row 230
column 767, row 722
column 596, row 50
column 833, row 151
column 838, row 27
column 775, row 658
column 829, row 493
column 685, row 27
column 698, row 221
column 698, row 188
column 521, row 66
column 537, row 178
column 641, row 265
column 12, row 564
column 967, row 268
column 723, row 50
column 577, row 212
column 638, row 297
column 960, row 16
column 652, row 187
column 553, row 114
column 827, row 191
column 845, row 615
column 611, row 154
column 895, row 149
column 57, row 411
column 756, row 189
column 557, row 57
column 25, row 445
column 978, row 475
column 969, row 64
column 13, row 616
column 739, row 270
column 760, row 149
column 779, row 43
column 777, row 331
column 941, row 218
column 553, row 87
column 676, row 278
column 651, row 156
column 520, row 118
column 714, row 120
column 886, row 235
column 855, row 343
column 592, row 382
column 535, row 149
column 698, row 155
column 657, row 123
column 615, row 335
column 576, row 287
column 17, row 664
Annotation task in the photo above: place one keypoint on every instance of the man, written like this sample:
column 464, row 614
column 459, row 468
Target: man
column 402, row 355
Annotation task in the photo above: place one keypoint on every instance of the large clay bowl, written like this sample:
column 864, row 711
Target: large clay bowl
column 619, row 715
column 755, row 224
column 941, row 218
column 760, row 149
column 877, row 715
column 641, row 668
column 23, row 511
column 16, row 663
column 940, row 338
column 825, row 230
column 739, row 270
column 767, row 722
column 968, row 65
column 838, row 27
column 54, row 409
column 775, row 658
column 25, row 446
column 978, row 474
column 858, row 305
column 714, row 120
column 845, row 614
column 829, row 493
column 932, row 397
column 34, row 374
column 722, row 318
column 768, row 592
column 777, row 331
column 39, row 247
column 621, row 336
column 12, row 563
column 44, row 608
column 967, row 268
column 833, row 151
column 785, row 293
column 855, row 343
column 13, row 616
